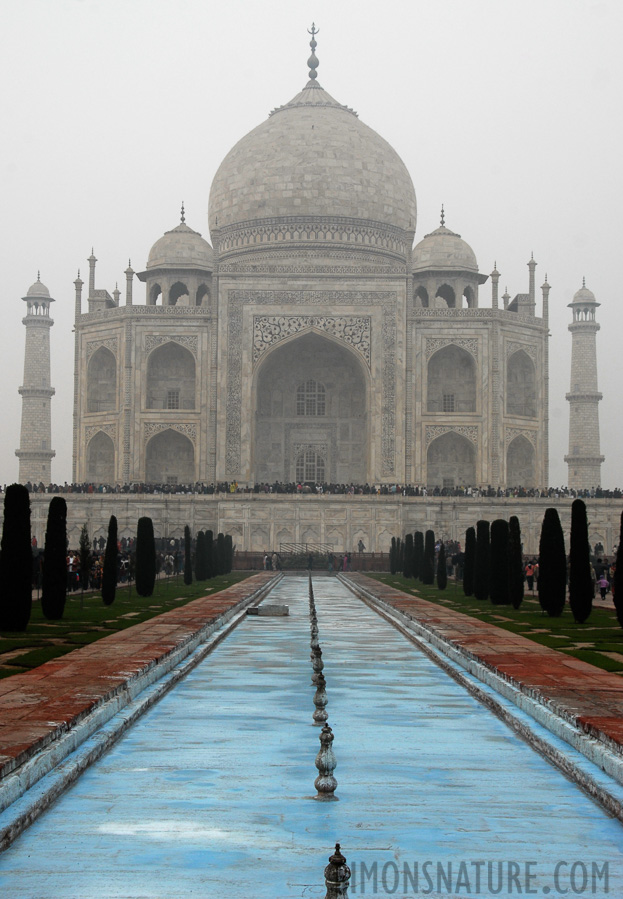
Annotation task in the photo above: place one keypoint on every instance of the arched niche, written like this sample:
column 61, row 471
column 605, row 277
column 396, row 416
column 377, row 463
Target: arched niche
column 170, row 459
column 520, row 385
column 451, row 381
column 102, row 381
column 337, row 430
column 451, row 461
column 520, row 463
column 170, row 378
column 100, row 459
column 178, row 294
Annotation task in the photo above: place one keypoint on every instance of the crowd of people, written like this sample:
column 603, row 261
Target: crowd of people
column 294, row 488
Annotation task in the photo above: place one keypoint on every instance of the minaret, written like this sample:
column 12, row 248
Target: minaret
column 35, row 453
column 584, row 459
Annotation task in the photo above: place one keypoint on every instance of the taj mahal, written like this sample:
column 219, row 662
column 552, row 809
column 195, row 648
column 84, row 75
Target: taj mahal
column 314, row 338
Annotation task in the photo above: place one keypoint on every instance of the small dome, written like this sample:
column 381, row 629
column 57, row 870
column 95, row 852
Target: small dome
column 181, row 248
column 443, row 249
column 584, row 295
column 38, row 290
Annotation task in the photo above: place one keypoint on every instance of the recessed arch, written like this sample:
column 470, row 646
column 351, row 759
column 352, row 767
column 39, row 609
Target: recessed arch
column 451, row 381
column 170, row 378
column 339, row 436
column 520, row 385
column 451, row 461
column 520, row 463
column 170, row 459
column 100, row 459
column 470, row 296
column 102, row 381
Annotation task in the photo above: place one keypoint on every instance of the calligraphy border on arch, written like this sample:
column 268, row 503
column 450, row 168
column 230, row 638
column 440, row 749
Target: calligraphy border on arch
column 154, row 340
column 92, row 430
column 468, row 431
column 466, row 343
column 150, row 428
column 354, row 330
column 238, row 298
column 111, row 343
column 512, row 433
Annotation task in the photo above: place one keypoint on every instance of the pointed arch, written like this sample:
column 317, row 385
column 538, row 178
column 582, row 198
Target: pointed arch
column 178, row 294
column 520, row 463
column 102, row 381
column 451, row 381
column 451, row 461
column 339, row 381
column 448, row 294
column 520, row 385
column 170, row 459
column 171, row 372
column 100, row 459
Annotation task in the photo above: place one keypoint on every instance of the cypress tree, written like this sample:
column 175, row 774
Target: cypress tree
column 210, row 555
column 469, row 563
column 145, row 557
column 109, row 574
column 229, row 554
column 16, row 560
column 552, row 584
column 428, row 561
column 498, row 585
column 617, row 581
column 85, row 556
column 442, row 571
column 200, row 557
column 54, row 581
column 418, row 554
column 188, row 565
column 392, row 556
column 400, row 556
column 220, row 554
column 581, row 590
column 515, row 563
column 481, row 563
column 407, row 570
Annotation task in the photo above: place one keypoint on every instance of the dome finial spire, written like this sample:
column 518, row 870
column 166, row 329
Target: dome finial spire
column 583, row 282
column 312, row 62
column 183, row 218
column 443, row 217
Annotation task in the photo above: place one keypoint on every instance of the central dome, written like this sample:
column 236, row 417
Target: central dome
column 313, row 163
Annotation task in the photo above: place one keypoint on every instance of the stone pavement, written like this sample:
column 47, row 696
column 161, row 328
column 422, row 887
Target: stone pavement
column 40, row 706
column 587, row 696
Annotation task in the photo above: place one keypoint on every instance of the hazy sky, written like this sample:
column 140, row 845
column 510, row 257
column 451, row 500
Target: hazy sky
column 507, row 111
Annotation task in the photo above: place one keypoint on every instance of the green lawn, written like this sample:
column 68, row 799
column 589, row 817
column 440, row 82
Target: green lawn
column 598, row 641
column 87, row 619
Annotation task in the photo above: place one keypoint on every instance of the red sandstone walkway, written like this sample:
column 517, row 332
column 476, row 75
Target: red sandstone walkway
column 580, row 692
column 39, row 706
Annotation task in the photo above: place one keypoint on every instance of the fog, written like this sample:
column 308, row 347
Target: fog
column 116, row 111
